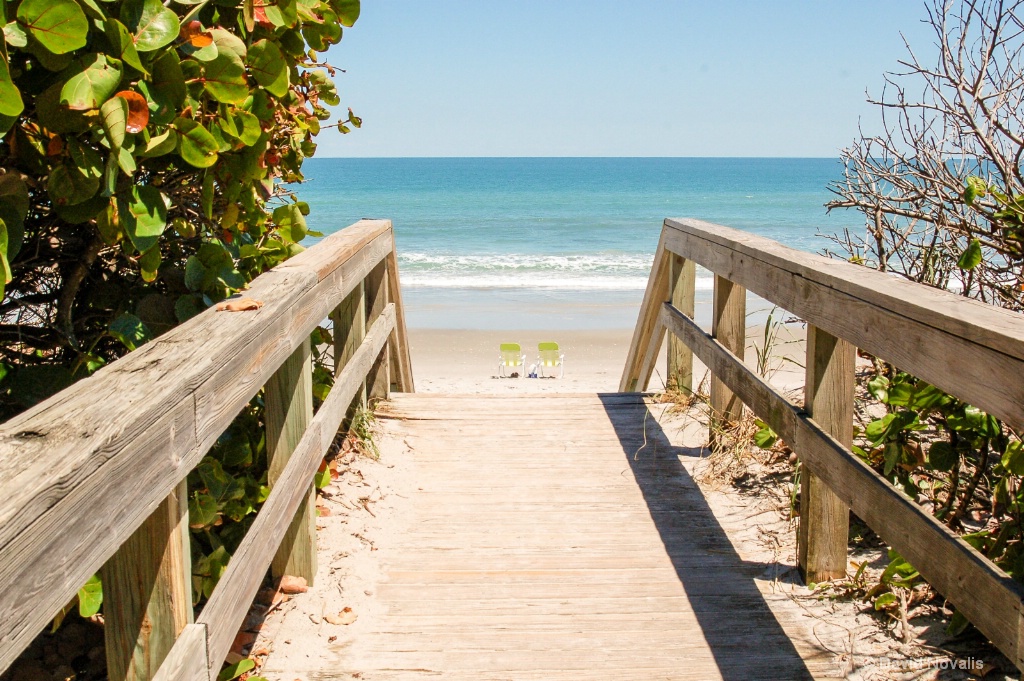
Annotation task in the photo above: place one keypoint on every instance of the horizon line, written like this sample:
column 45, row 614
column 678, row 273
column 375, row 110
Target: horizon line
column 767, row 158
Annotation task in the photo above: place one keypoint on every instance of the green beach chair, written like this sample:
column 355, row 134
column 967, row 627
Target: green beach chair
column 548, row 355
column 511, row 356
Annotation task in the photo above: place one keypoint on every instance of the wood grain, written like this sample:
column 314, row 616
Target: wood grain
column 924, row 331
column 147, row 590
column 683, row 286
column 828, row 398
column 633, row 576
column 237, row 587
column 986, row 595
column 187, row 659
column 401, row 357
column 644, row 332
column 729, row 327
column 289, row 409
column 80, row 472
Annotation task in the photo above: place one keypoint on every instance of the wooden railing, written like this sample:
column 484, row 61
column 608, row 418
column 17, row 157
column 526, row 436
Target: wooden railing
column 94, row 478
column 967, row 348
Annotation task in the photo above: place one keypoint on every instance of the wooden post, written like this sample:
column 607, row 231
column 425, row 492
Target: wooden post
column 349, row 330
column 289, row 409
column 728, row 326
column 828, row 399
column 378, row 380
column 682, row 289
column 147, row 591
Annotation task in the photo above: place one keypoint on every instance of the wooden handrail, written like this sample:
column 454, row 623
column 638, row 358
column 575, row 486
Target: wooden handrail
column 82, row 471
column 969, row 349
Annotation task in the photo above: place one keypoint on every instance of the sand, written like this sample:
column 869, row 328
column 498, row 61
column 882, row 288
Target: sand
column 466, row 361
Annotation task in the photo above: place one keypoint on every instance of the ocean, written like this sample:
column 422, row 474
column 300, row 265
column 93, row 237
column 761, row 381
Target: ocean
column 558, row 243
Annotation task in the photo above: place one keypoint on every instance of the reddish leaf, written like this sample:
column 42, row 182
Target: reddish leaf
column 240, row 305
column 194, row 34
column 138, row 110
column 55, row 146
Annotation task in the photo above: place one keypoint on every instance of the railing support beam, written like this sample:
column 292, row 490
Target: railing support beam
column 728, row 326
column 828, row 398
column 289, row 409
column 349, row 321
column 682, row 293
column 378, row 381
column 147, row 591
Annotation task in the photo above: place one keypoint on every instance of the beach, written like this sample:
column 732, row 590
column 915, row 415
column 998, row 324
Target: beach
column 466, row 360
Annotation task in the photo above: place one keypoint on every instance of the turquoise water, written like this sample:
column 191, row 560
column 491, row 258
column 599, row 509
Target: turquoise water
column 557, row 242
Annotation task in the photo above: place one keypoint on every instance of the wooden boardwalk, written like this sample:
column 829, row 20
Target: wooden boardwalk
column 559, row 537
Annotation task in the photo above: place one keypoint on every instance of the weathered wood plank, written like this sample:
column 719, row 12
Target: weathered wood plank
column 729, row 326
column 147, row 588
column 241, row 580
column 922, row 330
column 986, row 595
column 187, row 659
column 683, row 287
column 611, row 559
column 289, row 410
column 401, row 358
column 76, row 482
column 657, row 291
column 378, row 380
column 824, row 519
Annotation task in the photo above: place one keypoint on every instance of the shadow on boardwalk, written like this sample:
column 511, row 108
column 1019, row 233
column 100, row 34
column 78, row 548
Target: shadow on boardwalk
column 745, row 638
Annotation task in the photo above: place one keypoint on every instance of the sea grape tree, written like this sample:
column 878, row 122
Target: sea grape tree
column 144, row 151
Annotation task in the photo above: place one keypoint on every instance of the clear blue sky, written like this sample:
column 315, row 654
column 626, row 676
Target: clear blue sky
column 602, row 78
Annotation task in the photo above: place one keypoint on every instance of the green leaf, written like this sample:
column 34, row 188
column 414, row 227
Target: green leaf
column 281, row 13
column 291, row 224
column 144, row 215
column 1013, row 458
column 130, row 331
column 67, row 186
column 322, row 479
column 115, row 119
column 149, row 264
column 886, row 601
column 879, row 388
column 151, row 24
column 90, row 597
column 971, row 257
column 161, row 144
column 168, row 87
column 226, row 41
column 94, row 78
column 202, row 510
column 269, row 67
column 14, row 35
column 242, row 126
column 942, row 456
column 958, row 624
column 123, row 44
column 893, row 450
column 10, row 96
column 13, row 209
column 59, row 25
column 348, row 11
column 233, row 671
column 195, row 144
column 975, row 188
column 224, row 79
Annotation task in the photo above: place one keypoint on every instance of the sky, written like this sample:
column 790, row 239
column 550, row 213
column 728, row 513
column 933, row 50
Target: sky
column 771, row 78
